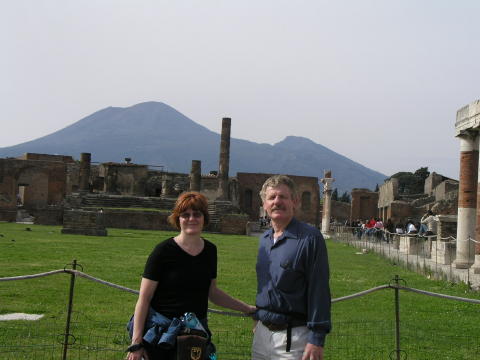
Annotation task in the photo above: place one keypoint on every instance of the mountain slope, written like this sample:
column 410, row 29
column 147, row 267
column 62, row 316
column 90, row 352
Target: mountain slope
column 156, row 134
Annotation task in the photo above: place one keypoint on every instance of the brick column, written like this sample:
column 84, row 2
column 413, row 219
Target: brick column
column 467, row 201
column 327, row 202
column 195, row 175
column 476, row 265
column 224, row 162
column 85, row 159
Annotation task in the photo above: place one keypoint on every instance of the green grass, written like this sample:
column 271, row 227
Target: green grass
column 363, row 328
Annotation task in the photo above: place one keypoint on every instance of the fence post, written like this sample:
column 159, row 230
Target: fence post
column 69, row 311
column 397, row 318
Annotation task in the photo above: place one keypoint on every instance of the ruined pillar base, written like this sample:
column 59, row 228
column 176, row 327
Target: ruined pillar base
column 443, row 252
column 476, row 265
column 410, row 245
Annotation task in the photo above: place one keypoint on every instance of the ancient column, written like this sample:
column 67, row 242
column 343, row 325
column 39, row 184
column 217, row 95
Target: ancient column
column 467, row 201
column 476, row 244
column 196, row 175
column 224, row 160
column 167, row 187
column 327, row 201
column 85, row 159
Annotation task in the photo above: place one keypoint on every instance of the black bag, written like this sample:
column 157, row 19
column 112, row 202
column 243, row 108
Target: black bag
column 191, row 347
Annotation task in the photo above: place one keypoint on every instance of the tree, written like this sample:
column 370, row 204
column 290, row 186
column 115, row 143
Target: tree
column 423, row 173
column 345, row 197
column 377, row 189
column 335, row 194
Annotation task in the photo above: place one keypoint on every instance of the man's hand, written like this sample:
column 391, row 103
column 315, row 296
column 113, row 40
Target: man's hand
column 312, row 352
column 255, row 322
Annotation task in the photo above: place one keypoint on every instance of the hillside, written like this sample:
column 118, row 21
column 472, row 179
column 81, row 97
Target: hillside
column 156, row 134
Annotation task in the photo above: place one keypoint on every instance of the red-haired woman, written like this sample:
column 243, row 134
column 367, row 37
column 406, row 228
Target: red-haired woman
column 180, row 276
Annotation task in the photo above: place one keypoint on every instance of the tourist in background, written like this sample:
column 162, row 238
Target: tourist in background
column 410, row 226
column 428, row 224
column 179, row 277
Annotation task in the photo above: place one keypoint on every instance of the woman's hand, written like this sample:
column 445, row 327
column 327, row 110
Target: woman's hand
column 137, row 355
column 250, row 310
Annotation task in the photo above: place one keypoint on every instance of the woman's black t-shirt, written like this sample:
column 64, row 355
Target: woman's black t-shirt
column 183, row 279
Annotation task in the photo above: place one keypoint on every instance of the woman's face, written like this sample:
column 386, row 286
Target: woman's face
column 191, row 222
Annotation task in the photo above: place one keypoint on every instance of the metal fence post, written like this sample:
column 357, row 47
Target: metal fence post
column 397, row 318
column 468, row 266
column 69, row 311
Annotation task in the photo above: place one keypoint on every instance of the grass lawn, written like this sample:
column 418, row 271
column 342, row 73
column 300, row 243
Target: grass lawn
column 363, row 327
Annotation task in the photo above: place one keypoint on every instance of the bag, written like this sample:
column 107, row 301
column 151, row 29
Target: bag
column 191, row 347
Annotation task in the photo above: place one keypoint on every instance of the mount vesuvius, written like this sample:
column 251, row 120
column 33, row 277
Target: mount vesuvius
column 156, row 134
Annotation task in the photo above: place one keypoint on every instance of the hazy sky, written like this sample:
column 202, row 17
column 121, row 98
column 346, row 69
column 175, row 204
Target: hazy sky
column 377, row 81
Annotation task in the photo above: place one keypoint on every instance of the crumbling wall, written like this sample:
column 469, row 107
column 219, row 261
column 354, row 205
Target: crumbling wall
column 341, row 211
column 41, row 182
column 364, row 204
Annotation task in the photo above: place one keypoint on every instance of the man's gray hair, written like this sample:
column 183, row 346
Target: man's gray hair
column 276, row 180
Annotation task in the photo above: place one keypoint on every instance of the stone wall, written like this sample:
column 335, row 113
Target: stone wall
column 388, row 192
column 446, row 207
column 40, row 183
column 233, row 224
column 141, row 220
column 81, row 222
column 400, row 211
column 444, row 188
column 124, row 179
column 446, row 227
column 8, row 214
column 209, row 186
column 364, row 204
column 72, row 177
column 50, row 216
column 431, row 182
column 341, row 211
column 46, row 157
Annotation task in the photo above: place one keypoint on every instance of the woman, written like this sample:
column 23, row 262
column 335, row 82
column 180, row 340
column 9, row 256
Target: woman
column 180, row 276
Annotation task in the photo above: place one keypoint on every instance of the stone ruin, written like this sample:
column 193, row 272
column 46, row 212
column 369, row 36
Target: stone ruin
column 456, row 202
column 46, row 188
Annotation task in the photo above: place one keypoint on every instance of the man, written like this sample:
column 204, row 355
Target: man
column 293, row 293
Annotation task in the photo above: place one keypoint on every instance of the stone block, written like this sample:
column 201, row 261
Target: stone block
column 81, row 222
column 233, row 224
column 443, row 252
column 411, row 245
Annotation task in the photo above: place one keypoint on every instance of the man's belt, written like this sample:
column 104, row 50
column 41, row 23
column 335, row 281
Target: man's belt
column 281, row 327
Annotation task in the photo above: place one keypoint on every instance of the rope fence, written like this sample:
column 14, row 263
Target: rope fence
column 431, row 255
column 398, row 352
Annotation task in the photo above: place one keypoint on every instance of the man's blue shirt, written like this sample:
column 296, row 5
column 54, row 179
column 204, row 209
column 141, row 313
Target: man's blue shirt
column 293, row 279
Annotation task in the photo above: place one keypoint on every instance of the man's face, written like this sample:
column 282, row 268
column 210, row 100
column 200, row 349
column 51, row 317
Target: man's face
column 279, row 204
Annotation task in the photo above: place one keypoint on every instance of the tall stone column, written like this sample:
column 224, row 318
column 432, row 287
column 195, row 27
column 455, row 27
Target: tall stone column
column 85, row 160
column 467, row 200
column 224, row 162
column 476, row 264
column 327, row 202
column 196, row 175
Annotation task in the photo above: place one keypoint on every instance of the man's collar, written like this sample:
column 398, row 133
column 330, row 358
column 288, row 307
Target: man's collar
column 290, row 230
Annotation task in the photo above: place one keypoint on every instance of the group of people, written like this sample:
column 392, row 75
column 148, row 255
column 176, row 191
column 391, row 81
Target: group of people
column 372, row 227
column 292, row 308
column 264, row 221
column 427, row 226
